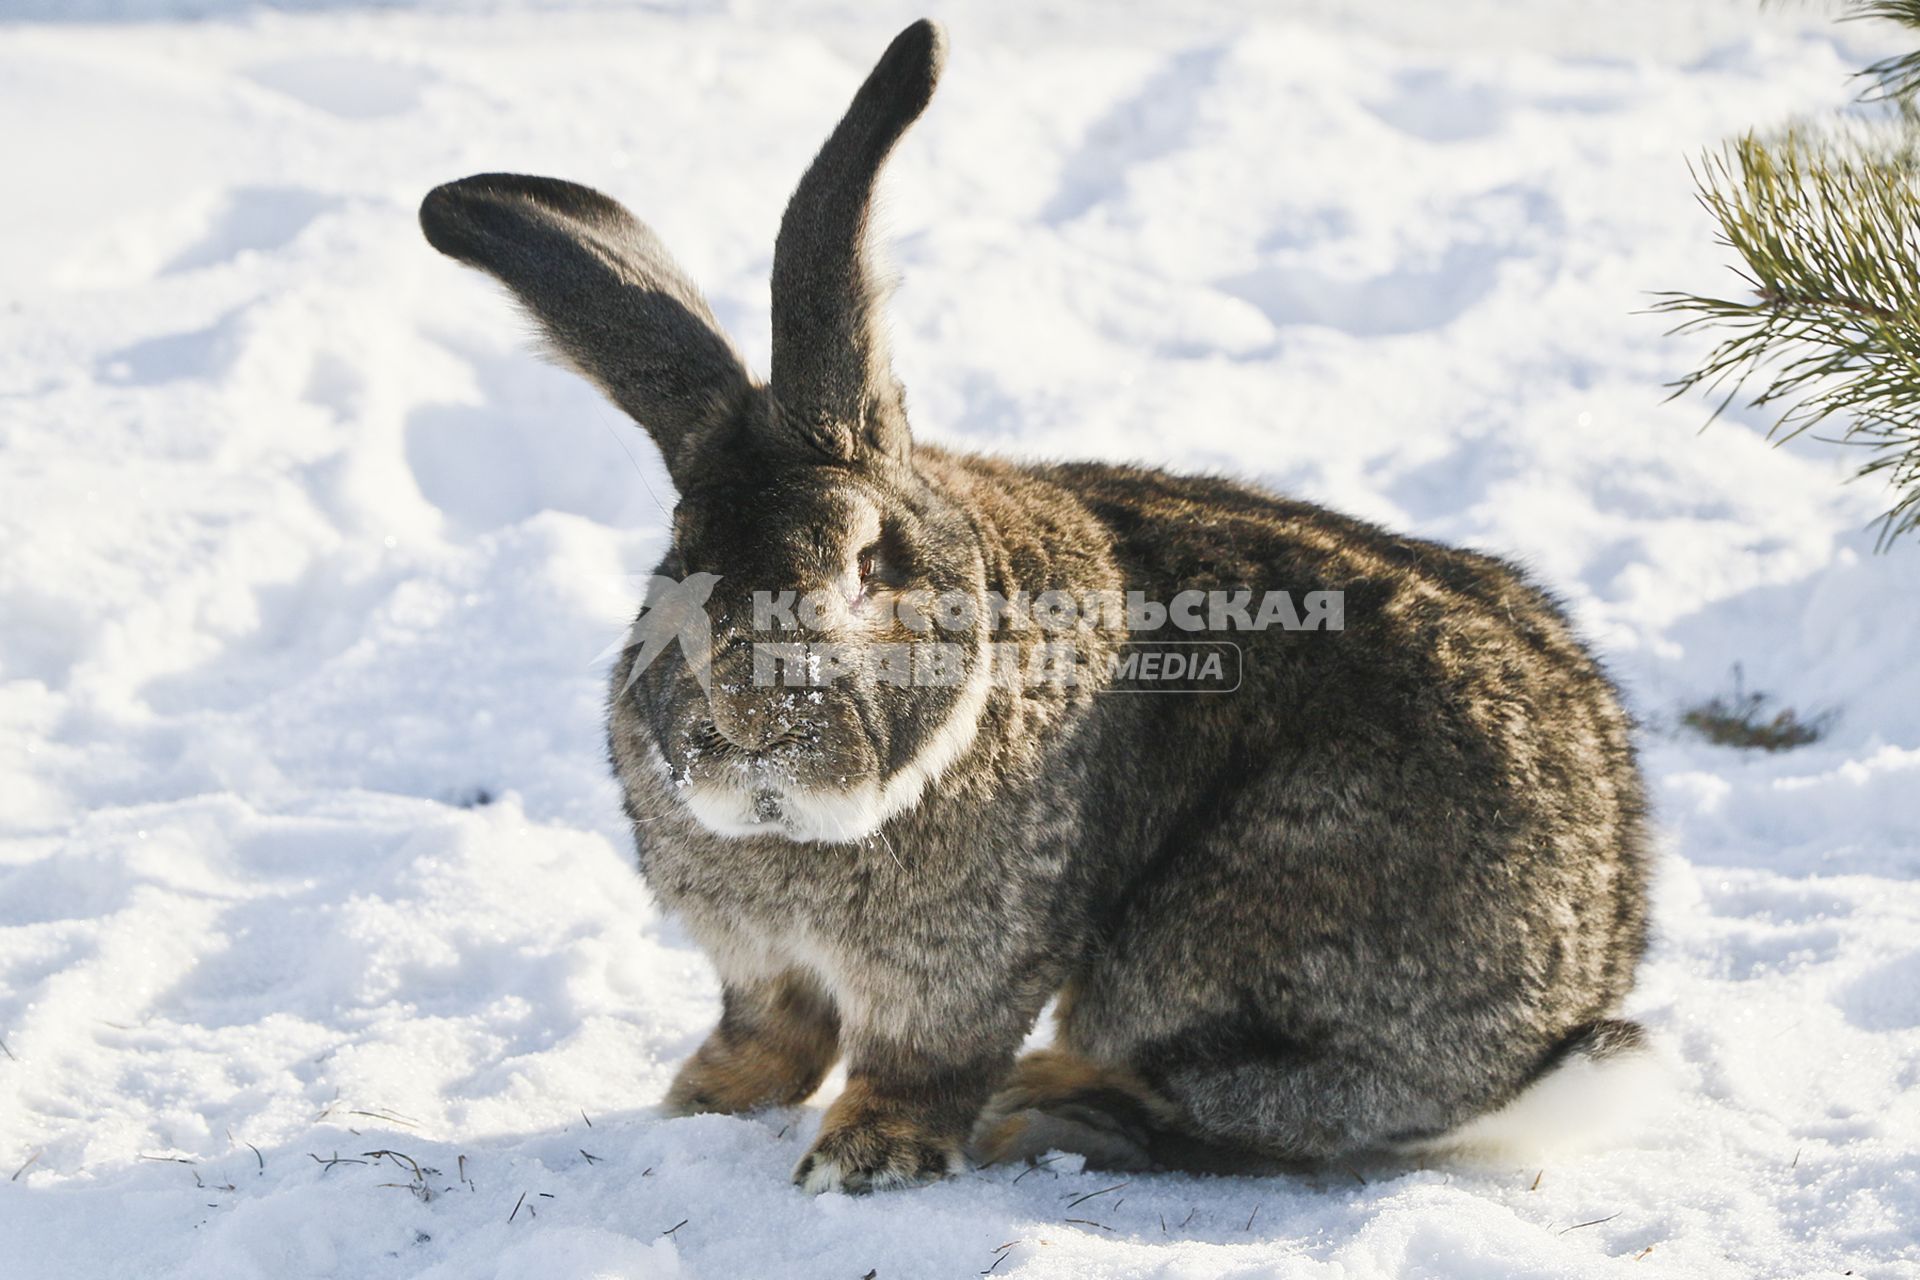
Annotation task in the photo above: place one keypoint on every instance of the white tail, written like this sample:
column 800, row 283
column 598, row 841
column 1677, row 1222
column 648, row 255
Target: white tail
column 1605, row 1081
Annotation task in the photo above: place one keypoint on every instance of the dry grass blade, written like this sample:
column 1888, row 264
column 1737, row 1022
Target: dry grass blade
column 327, row 1163
column 1000, row 1255
column 1036, row 1166
column 389, row 1117
column 416, row 1172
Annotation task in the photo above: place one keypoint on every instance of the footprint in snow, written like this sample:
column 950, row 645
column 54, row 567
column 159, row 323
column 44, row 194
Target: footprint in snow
column 257, row 219
column 353, row 88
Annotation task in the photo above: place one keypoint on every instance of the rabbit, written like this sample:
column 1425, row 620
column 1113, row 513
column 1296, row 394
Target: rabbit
column 1380, row 888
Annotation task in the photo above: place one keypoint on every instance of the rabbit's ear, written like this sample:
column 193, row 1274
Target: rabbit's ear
column 831, row 373
column 604, row 291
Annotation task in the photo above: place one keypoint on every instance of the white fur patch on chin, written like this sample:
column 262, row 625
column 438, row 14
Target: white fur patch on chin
column 854, row 814
column 804, row 816
column 835, row 818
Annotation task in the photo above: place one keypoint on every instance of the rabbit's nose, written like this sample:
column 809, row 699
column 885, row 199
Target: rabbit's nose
column 750, row 725
column 748, row 730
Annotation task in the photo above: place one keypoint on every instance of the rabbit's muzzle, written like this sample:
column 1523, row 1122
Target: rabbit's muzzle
column 795, row 765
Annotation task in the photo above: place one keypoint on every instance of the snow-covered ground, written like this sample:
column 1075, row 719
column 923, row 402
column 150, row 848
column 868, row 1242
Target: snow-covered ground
column 308, row 570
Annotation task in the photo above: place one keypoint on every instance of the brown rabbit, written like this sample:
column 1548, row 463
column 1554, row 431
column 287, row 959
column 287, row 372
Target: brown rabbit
column 1376, row 890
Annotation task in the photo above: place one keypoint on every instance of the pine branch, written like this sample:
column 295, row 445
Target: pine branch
column 1898, row 76
column 1827, row 233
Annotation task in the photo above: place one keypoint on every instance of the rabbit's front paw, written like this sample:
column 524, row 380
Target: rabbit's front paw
column 871, row 1143
column 772, row 1049
column 730, row 1076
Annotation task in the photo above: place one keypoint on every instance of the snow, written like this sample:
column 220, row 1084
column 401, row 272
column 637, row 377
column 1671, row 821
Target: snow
column 310, row 569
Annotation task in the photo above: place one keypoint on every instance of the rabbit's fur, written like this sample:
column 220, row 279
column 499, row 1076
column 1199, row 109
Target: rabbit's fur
column 1373, row 893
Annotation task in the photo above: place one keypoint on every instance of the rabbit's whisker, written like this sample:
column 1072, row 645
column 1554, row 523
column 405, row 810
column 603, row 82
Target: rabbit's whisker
column 635, row 462
column 882, row 834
